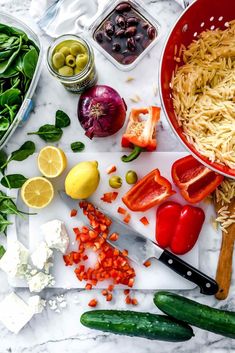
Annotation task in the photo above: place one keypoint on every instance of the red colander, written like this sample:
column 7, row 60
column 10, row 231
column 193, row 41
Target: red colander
column 199, row 16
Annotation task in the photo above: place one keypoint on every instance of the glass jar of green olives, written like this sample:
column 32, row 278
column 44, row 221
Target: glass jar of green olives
column 71, row 60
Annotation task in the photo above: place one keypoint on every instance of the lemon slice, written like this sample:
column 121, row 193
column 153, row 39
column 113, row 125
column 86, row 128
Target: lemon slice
column 37, row 192
column 52, row 161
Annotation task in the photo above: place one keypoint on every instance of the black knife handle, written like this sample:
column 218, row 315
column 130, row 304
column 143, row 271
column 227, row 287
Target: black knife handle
column 207, row 285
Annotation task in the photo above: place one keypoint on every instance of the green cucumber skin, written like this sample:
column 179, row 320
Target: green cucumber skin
column 218, row 321
column 131, row 323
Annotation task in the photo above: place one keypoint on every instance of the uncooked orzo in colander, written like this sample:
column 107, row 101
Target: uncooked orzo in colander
column 204, row 94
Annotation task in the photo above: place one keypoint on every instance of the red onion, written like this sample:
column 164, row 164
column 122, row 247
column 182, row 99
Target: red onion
column 101, row 111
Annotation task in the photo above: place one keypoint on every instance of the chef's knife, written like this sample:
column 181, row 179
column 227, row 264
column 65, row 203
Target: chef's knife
column 140, row 249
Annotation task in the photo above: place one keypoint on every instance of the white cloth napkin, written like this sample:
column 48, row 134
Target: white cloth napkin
column 57, row 17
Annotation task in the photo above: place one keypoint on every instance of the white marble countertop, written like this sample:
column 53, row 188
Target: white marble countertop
column 53, row 332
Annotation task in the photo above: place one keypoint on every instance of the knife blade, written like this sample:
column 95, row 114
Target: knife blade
column 140, row 249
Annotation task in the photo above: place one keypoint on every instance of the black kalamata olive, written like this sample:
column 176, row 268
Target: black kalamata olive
column 99, row 37
column 123, row 7
column 109, row 28
column 145, row 25
column 132, row 21
column 130, row 43
column 151, row 32
column 130, row 31
column 120, row 21
column 120, row 33
column 116, row 47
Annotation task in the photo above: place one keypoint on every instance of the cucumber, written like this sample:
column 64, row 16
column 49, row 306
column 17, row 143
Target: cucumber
column 131, row 323
column 218, row 321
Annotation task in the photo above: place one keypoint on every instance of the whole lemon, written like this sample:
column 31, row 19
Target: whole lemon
column 82, row 180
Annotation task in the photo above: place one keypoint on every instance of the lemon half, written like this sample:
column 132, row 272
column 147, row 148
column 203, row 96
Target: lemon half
column 52, row 161
column 37, row 192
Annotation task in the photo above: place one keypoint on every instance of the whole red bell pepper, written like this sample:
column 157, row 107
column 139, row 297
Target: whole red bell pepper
column 178, row 227
column 148, row 192
column 194, row 180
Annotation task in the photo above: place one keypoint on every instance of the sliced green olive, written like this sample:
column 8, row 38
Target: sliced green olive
column 70, row 60
column 131, row 177
column 77, row 48
column 58, row 60
column 81, row 61
column 65, row 51
column 66, row 71
column 115, row 182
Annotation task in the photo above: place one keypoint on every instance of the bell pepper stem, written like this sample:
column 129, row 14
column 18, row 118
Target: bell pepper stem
column 133, row 155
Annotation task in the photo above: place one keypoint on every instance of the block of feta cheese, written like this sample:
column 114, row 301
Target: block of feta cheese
column 14, row 261
column 40, row 281
column 36, row 304
column 56, row 235
column 41, row 255
column 14, row 312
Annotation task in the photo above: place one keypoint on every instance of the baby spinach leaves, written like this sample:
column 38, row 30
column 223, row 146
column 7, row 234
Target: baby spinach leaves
column 18, row 61
column 77, row 146
column 21, row 154
column 2, row 249
column 48, row 132
column 53, row 133
column 61, row 119
column 13, row 181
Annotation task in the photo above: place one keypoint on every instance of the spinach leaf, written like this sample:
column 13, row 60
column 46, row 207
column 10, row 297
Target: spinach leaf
column 10, row 97
column 77, row 146
column 26, row 150
column 2, row 249
column 4, row 223
column 4, row 123
column 49, row 133
column 61, row 119
column 30, row 62
column 13, row 181
column 7, row 206
column 3, row 159
column 3, row 196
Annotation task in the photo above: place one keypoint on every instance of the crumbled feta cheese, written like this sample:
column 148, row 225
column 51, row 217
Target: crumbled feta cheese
column 36, row 304
column 14, row 261
column 41, row 255
column 56, row 235
column 14, row 312
column 39, row 281
column 58, row 303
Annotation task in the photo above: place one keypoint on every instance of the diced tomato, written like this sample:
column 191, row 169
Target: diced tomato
column 147, row 263
column 128, row 299
column 125, row 252
column 111, row 169
column 144, row 220
column 114, row 237
column 134, row 301
column 104, row 292
column 126, row 291
column 127, row 218
column 88, row 286
column 110, row 287
column 93, row 303
column 121, row 210
column 109, row 297
column 73, row 213
column 68, row 260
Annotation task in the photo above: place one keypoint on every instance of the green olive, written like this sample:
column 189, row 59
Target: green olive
column 65, row 51
column 115, row 182
column 70, row 60
column 77, row 48
column 81, row 61
column 77, row 70
column 131, row 177
column 58, row 60
column 66, row 71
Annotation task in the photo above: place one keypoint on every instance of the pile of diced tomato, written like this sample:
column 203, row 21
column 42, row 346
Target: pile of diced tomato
column 111, row 264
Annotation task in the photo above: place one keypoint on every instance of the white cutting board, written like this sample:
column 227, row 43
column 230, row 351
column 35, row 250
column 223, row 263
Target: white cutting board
column 157, row 276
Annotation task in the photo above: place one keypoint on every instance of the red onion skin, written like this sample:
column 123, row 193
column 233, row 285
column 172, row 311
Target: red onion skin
column 101, row 111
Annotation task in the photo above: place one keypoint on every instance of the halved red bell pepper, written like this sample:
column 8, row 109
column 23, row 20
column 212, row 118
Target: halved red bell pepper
column 140, row 131
column 194, row 180
column 178, row 227
column 148, row 192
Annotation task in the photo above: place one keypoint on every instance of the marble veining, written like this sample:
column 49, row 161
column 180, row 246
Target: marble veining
column 52, row 332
